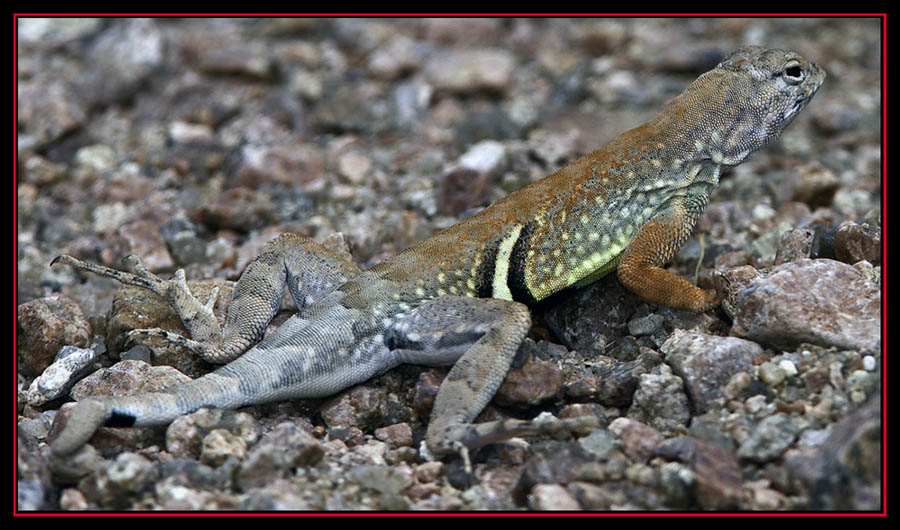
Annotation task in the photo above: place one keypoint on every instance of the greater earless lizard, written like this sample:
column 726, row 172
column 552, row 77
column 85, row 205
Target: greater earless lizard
column 461, row 297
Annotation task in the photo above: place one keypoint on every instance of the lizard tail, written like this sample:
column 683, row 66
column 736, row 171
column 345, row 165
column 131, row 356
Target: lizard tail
column 140, row 410
column 86, row 417
column 285, row 368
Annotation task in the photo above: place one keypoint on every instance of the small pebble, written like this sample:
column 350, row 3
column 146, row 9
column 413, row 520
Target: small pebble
column 552, row 497
column 771, row 374
column 433, row 119
column 72, row 500
column 484, row 157
column 788, row 366
column 869, row 363
column 755, row 404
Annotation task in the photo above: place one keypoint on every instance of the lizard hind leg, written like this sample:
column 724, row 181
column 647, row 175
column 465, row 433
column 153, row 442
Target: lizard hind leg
column 480, row 338
column 197, row 316
column 308, row 269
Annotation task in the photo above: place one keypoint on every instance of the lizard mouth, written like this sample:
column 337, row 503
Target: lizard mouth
column 799, row 105
column 792, row 111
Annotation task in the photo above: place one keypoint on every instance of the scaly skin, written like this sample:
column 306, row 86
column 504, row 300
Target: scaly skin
column 461, row 296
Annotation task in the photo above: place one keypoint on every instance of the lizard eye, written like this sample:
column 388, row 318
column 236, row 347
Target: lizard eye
column 793, row 73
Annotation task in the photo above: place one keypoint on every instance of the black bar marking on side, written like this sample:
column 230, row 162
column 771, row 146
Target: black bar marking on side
column 516, row 279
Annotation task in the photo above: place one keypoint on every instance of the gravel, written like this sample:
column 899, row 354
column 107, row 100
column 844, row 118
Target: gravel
column 194, row 141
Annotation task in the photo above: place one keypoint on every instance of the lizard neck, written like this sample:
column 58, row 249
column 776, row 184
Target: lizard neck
column 705, row 124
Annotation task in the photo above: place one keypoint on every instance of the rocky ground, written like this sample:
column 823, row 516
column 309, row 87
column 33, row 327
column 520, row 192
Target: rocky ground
column 193, row 142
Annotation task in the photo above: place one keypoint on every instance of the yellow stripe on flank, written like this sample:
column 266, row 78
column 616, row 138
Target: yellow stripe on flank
column 499, row 288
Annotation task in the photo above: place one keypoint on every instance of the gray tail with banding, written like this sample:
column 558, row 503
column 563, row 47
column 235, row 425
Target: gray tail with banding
column 154, row 408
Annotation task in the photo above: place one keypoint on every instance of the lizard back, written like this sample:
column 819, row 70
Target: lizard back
column 572, row 227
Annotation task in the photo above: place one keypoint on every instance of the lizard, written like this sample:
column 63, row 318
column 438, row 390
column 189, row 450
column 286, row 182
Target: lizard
column 462, row 297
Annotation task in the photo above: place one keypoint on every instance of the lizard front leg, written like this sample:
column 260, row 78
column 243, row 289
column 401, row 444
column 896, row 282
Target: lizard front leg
column 307, row 268
column 640, row 268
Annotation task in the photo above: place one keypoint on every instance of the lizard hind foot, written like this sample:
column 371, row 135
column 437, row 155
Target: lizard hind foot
column 197, row 316
column 86, row 417
column 451, row 438
column 146, row 337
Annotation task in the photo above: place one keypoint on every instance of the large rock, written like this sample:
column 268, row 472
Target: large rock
column 819, row 301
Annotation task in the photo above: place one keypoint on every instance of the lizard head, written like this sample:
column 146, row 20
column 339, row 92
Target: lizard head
column 763, row 90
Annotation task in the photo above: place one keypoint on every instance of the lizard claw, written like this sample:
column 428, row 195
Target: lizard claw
column 211, row 301
column 135, row 265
